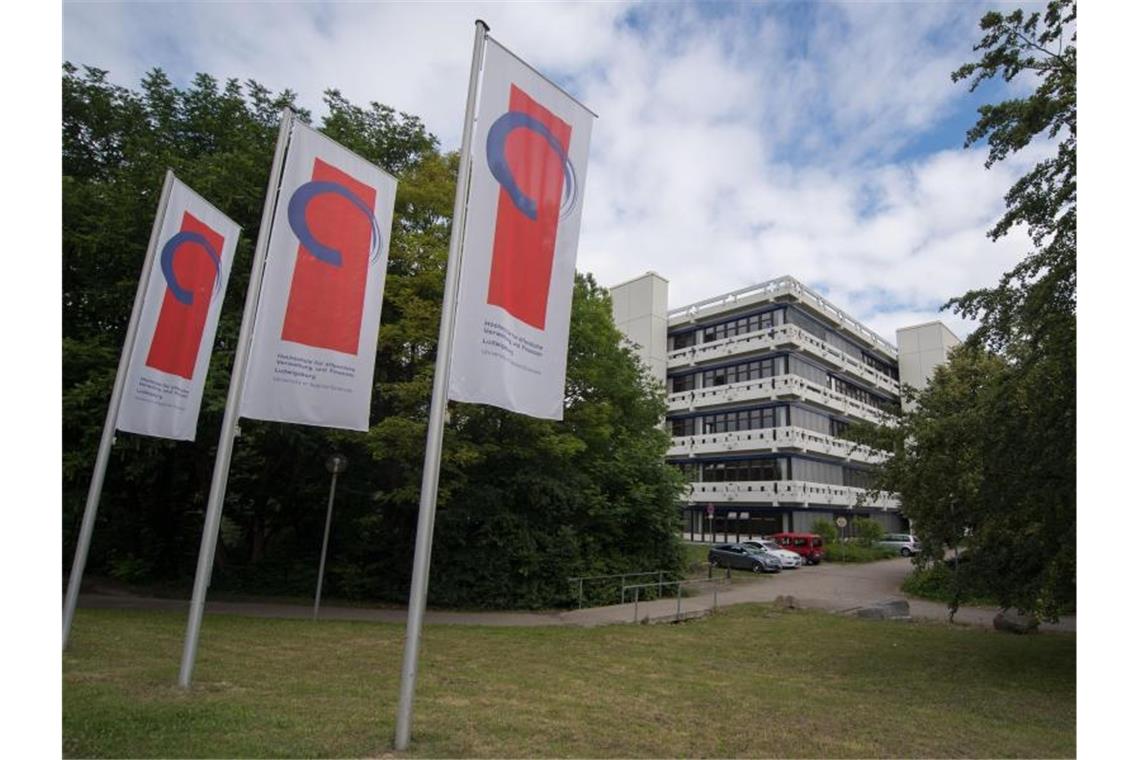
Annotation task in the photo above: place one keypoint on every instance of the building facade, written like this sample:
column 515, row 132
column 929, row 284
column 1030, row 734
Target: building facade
column 760, row 384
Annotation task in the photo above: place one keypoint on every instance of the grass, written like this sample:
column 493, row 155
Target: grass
column 696, row 557
column 749, row 681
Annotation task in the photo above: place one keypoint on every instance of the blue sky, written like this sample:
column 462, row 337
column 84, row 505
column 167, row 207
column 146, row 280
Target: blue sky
column 736, row 142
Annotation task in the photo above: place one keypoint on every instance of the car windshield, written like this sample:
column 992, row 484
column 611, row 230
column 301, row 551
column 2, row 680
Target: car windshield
column 769, row 544
column 750, row 549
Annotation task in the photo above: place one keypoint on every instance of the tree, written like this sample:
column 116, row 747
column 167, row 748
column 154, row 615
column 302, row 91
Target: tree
column 989, row 451
column 1031, row 313
column 941, row 458
column 523, row 503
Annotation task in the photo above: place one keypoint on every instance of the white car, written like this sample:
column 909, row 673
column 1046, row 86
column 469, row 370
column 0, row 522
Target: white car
column 788, row 560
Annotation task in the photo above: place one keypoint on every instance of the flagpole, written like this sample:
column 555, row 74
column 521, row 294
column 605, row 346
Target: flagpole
column 229, row 420
column 417, row 598
column 95, row 490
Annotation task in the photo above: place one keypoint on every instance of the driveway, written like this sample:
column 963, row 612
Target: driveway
column 832, row 587
column 835, row 587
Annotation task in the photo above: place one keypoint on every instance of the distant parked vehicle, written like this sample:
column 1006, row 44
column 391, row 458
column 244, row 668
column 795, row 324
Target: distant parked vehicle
column 788, row 560
column 742, row 557
column 807, row 545
column 904, row 543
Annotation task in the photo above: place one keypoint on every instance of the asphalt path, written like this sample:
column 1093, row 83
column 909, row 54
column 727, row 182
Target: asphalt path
column 839, row 588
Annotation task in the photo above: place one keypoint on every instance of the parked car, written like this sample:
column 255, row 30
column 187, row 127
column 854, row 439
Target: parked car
column 904, row 543
column 788, row 560
column 807, row 545
column 741, row 557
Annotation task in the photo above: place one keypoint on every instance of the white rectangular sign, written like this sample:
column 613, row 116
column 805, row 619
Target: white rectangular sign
column 166, row 374
column 524, row 208
column 314, row 336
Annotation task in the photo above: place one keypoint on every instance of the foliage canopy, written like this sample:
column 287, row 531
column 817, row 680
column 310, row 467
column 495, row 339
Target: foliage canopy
column 524, row 503
column 986, row 457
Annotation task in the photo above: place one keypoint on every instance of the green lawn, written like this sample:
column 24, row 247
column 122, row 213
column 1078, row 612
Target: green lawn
column 749, row 681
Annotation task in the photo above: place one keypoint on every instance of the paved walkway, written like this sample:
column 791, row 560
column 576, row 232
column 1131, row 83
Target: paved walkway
column 832, row 587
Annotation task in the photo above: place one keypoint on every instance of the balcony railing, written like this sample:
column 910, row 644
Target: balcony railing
column 774, row 439
column 787, row 493
column 772, row 388
column 782, row 336
column 784, row 286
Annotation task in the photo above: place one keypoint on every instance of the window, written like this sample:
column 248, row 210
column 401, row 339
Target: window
column 684, row 426
column 683, row 382
column 857, row 478
column 684, row 340
column 875, row 362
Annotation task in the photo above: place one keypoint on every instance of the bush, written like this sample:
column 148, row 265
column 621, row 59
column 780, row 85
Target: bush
column 826, row 530
column 854, row 552
column 936, row 582
column 868, row 531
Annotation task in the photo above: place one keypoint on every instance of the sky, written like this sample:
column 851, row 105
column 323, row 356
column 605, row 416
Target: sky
column 735, row 143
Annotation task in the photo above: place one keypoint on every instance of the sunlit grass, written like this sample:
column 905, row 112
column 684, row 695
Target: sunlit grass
column 748, row 681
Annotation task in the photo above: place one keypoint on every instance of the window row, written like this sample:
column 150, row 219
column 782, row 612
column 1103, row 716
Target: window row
column 859, row 394
column 727, row 422
column 773, row 318
column 888, row 369
column 809, row 419
column 776, row 468
column 740, row 373
column 755, row 369
column 743, row 325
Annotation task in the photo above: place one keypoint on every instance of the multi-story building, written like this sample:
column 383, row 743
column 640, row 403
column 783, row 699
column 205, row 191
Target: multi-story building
column 761, row 383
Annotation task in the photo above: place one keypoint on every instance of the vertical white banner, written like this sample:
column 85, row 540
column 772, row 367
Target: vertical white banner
column 166, row 373
column 524, row 209
column 314, row 336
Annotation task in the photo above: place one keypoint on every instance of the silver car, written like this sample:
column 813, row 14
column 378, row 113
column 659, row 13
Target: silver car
column 904, row 543
column 788, row 560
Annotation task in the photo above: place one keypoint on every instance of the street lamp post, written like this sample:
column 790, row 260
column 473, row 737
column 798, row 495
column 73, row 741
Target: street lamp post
column 336, row 464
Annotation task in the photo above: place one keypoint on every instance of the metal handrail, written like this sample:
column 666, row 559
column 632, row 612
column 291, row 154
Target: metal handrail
column 581, row 580
column 637, row 591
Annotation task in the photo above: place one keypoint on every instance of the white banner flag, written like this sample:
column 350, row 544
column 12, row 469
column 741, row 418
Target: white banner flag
column 314, row 336
column 512, row 323
column 178, row 317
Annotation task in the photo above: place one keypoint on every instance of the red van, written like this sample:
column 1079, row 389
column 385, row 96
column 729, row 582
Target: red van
column 807, row 545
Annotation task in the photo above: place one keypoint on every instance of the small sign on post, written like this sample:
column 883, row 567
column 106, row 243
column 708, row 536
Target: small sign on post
column 841, row 521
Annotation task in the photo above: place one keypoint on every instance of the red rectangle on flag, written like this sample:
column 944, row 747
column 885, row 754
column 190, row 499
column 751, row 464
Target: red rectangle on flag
column 178, row 331
column 523, row 252
column 326, row 301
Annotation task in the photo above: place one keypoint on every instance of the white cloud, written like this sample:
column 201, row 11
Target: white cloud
column 734, row 144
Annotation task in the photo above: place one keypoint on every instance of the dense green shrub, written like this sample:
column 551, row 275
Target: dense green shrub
column 936, row 582
column 867, row 530
column 826, row 530
column 851, row 551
